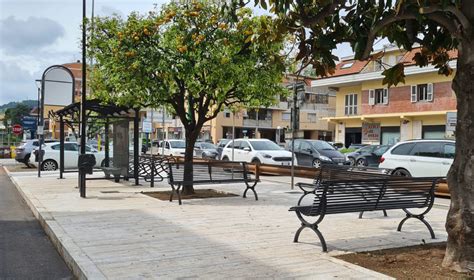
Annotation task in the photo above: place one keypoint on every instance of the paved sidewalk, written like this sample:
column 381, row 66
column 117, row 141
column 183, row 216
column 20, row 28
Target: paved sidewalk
column 25, row 250
column 119, row 233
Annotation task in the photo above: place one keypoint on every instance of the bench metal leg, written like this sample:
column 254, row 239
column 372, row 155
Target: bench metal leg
column 362, row 213
column 252, row 188
column 177, row 190
column 419, row 217
column 316, row 230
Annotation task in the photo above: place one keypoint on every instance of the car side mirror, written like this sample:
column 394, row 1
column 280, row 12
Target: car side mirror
column 247, row 149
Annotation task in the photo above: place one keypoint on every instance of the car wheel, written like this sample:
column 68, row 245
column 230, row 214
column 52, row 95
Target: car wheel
column 102, row 164
column 256, row 161
column 401, row 172
column 49, row 165
column 26, row 160
column 316, row 163
column 225, row 159
column 352, row 161
column 361, row 162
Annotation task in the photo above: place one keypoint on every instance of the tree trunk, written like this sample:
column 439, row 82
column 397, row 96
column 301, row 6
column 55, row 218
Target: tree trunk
column 460, row 221
column 191, row 137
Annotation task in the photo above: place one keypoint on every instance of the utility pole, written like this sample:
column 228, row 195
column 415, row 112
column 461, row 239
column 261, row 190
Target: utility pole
column 163, row 113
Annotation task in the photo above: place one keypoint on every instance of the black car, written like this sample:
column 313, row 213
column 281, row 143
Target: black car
column 316, row 152
column 372, row 159
column 352, row 156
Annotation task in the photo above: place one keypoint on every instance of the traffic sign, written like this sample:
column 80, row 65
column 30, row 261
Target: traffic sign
column 17, row 129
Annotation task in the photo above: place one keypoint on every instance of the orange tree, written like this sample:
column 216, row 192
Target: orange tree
column 192, row 58
column 438, row 26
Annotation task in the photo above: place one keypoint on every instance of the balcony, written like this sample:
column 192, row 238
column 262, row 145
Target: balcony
column 260, row 123
column 281, row 105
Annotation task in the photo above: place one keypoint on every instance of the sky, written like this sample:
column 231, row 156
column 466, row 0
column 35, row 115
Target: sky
column 35, row 34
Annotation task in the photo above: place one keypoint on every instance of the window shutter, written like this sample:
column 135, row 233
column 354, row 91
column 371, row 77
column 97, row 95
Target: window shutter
column 385, row 96
column 413, row 94
column 429, row 90
column 371, row 97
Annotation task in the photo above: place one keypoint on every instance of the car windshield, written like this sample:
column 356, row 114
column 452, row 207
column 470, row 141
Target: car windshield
column 264, row 146
column 322, row 145
column 207, row 146
column 178, row 144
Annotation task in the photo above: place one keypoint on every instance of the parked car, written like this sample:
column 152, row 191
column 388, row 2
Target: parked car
column 220, row 145
column 71, row 155
column 24, row 150
column 256, row 151
column 352, row 156
column 357, row 146
column 420, row 158
column 205, row 150
column 372, row 159
column 172, row 147
column 316, row 152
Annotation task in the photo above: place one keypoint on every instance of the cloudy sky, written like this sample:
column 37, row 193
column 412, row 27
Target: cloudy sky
column 35, row 34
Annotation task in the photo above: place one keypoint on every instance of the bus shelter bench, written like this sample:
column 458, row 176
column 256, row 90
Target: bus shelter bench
column 212, row 172
column 349, row 196
column 116, row 172
column 341, row 172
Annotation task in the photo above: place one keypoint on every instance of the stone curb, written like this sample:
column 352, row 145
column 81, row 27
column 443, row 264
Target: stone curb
column 78, row 261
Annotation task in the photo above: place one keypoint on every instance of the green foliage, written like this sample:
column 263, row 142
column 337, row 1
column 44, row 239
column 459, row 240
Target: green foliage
column 191, row 57
column 436, row 25
column 346, row 150
column 16, row 113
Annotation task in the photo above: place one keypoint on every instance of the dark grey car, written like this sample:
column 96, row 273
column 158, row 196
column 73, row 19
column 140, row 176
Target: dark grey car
column 316, row 152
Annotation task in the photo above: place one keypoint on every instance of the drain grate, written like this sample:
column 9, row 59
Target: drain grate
column 109, row 191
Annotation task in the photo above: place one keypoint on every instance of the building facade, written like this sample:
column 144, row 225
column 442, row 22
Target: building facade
column 423, row 107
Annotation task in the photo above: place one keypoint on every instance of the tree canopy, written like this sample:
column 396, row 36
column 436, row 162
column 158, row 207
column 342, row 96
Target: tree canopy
column 189, row 56
column 438, row 27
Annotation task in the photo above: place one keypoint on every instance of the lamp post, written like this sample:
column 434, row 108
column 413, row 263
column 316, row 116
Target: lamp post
column 9, row 123
column 38, row 85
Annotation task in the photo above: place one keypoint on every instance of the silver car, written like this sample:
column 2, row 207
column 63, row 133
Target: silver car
column 205, row 150
column 23, row 151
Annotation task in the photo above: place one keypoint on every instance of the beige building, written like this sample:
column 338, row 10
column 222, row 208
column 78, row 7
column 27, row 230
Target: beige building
column 271, row 123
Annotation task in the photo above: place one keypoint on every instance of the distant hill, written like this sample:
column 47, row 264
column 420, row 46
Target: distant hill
column 30, row 103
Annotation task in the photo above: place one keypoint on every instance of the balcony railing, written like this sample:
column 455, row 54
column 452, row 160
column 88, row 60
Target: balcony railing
column 259, row 123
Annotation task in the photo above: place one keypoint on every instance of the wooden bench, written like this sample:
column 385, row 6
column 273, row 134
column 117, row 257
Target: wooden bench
column 348, row 196
column 212, row 172
column 331, row 172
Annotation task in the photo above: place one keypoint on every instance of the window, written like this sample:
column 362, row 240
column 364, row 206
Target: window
column 403, row 149
column 70, row 147
column 265, row 146
column 305, row 147
column 350, row 104
column 347, row 65
column 378, row 96
column 55, row 147
column 421, row 92
column 449, row 150
column 377, row 65
column 428, row 149
column 312, row 117
column 226, row 113
column 244, row 145
column 235, row 145
column 286, row 116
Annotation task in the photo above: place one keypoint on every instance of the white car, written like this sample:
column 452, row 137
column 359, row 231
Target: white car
column 420, row 158
column 256, row 151
column 172, row 147
column 71, row 155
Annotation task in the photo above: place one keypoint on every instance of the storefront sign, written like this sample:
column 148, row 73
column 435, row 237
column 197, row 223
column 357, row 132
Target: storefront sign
column 370, row 132
column 451, row 120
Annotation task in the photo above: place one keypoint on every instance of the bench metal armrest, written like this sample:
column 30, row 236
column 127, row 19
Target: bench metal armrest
column 307, row 187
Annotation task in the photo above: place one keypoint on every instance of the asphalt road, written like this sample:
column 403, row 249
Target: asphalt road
column 25, row 250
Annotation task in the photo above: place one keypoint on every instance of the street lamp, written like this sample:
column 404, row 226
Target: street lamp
column 38, row 85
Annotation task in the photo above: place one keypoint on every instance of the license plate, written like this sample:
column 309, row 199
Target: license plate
column 340, row 163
